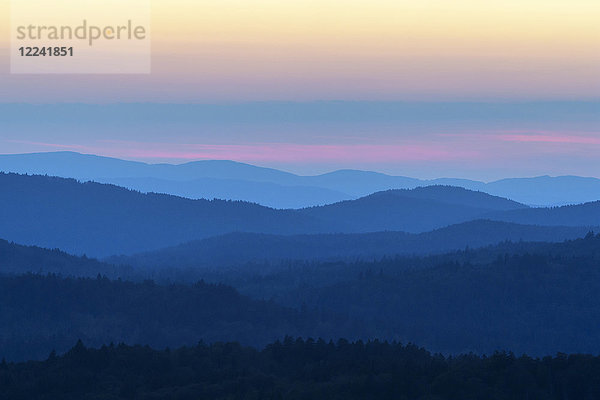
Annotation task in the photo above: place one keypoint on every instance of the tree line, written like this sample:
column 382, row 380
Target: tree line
column 298, row 369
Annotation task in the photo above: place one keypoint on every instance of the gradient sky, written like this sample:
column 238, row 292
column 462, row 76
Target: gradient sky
column 450, row 51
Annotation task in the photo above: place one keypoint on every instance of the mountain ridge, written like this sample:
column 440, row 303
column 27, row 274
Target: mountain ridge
column 324, row 188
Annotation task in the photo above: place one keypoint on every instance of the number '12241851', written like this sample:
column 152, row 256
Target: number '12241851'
column 46, row 51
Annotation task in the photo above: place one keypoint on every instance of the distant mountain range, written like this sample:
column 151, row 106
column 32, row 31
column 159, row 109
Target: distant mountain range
column 102, row 220
column 237, row 181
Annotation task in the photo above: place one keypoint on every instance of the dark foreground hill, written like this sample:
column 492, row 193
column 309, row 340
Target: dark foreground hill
column 298, row 369
column 216, row 252
column 42, row 313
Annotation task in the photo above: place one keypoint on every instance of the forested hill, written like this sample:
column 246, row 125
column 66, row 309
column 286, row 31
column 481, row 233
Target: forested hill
column 428, row 208
column 534, row 298
column 455, row 195
column 42, row 313
column 418, row 210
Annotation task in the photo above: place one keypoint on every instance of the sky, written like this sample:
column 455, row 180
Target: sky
column 303, row 54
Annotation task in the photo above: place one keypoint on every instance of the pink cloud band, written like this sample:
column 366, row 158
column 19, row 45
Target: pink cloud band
column 268, row 152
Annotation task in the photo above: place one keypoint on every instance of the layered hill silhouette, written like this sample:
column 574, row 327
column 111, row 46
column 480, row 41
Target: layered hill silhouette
column 201, row 179
column 265, row 193
column 538, row 299
column 102, row 220
column 238, row 181
column 216, row 252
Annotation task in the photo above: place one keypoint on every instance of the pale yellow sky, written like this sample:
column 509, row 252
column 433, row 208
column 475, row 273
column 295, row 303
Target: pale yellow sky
column 381, row 49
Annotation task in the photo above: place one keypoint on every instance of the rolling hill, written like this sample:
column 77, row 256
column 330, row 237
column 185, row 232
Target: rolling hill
column 418, row 210
column 101, row 220
column 207, row 179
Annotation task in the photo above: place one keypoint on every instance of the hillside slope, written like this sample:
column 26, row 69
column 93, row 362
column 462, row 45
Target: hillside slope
column 18, row 259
